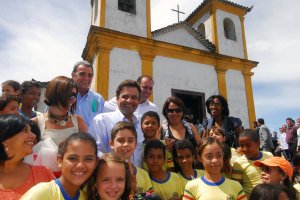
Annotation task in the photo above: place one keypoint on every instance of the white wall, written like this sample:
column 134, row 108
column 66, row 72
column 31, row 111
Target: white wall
column 135, row 24
column 226, row 46
column 181, row 37
column 124, row 64
column 236, row 95
column 206, row 20
column 171, row 73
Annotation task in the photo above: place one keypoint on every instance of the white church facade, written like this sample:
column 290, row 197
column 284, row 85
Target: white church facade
column 203, row 55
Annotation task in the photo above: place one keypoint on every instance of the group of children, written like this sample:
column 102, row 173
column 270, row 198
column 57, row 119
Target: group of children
column 168, row 174
column 115, row 177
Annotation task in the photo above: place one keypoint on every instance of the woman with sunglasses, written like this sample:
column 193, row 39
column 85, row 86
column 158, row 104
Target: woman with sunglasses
column 176, row 128
column 277, row 170
column 59, row 122
column 217, row 107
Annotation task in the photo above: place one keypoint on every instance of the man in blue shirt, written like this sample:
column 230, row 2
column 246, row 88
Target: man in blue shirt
column 89, row 103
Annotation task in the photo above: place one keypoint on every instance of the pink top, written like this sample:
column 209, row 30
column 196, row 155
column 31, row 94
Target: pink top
column 38, row 174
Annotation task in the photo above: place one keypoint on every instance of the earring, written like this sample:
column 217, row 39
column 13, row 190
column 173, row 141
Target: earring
column 5, row 147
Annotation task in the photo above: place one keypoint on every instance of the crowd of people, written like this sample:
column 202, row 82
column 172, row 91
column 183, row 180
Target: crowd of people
column 83, row 147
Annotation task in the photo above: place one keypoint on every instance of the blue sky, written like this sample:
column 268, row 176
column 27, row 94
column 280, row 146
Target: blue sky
column 43, row 39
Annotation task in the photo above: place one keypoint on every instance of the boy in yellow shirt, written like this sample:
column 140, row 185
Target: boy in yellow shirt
column 123, row 142
column 166, row 185
column 150, row 123
column 244, row 170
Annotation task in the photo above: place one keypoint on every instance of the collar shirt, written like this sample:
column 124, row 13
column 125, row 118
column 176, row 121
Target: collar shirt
column 101, row 127
column 282, row 141
column 145, row 107
column 89, row 105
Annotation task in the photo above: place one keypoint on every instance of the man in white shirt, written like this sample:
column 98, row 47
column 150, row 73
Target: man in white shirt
column 146, row 83
column 128, row 94
column 283, row 145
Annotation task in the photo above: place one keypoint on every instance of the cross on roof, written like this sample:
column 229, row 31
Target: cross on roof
column 178, row 12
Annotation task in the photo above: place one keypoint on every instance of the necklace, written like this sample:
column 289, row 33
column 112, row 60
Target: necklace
column 61, row 120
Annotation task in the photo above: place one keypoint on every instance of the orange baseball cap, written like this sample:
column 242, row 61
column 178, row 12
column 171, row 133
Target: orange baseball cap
column 280, row 162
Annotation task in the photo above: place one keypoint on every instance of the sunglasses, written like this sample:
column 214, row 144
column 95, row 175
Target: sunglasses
column 177, row 110
column 73, row 96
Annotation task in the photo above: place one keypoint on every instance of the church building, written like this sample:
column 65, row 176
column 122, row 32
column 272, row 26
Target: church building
column 203, row 55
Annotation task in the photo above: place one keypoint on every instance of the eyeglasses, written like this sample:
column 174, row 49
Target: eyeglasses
column 177, row 110
column 211, row 104
column 73, row 96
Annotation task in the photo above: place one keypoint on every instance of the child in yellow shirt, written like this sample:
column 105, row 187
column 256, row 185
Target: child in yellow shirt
column 212, row 185
column 244, row 170
column 167, row 185
column 123, row 142
column 184, row 156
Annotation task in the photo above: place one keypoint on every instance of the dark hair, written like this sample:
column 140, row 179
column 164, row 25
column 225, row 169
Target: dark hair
column 226, row 151
column 10, row 125
column 26, row 85
column 151, row 114
column 121, row 126
column 127, row 83
column 154, row 144
column 183, row 144
column 289, row 118
column 261, row 121
column 4, row 100
column 225, row 110
column 83, row 62
column 139, row 80
column 226, row 168
column 180, row 145
column 206, row 142
column 35, row 130
column 76, row 136
column 174, row 100
column 252, row 134
column 217, row 129
column 266, row 191
column 58, row 92
column 296, row 160
column 92, row 193
column 14, row 84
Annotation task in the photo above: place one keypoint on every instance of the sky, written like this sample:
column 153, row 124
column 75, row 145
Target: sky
column 43, row 39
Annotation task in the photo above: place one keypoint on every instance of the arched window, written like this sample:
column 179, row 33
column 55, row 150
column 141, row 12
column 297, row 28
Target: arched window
column 229, row 29
column 201, row 30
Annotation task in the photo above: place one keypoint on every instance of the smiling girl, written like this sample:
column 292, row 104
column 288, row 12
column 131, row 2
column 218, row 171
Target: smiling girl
column 77, row 158
column 111, row 179
column 212, row 185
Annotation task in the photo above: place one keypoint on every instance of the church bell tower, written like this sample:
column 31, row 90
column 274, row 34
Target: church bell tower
column 127, row 16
